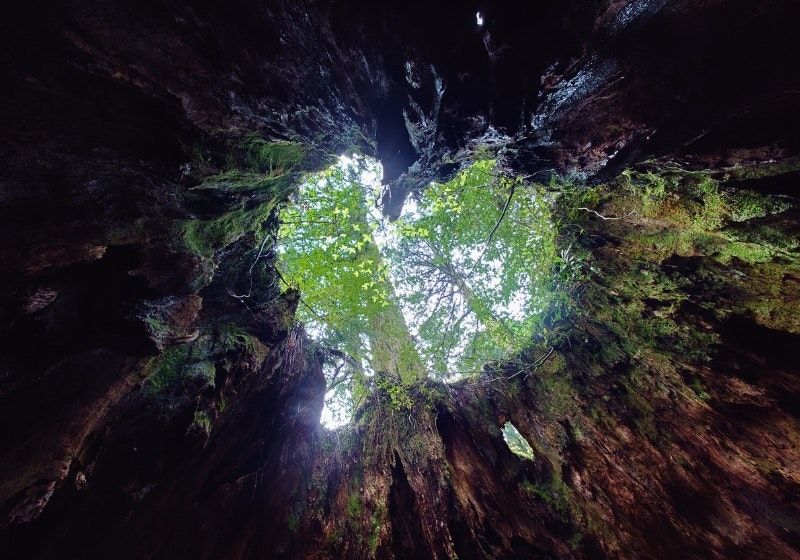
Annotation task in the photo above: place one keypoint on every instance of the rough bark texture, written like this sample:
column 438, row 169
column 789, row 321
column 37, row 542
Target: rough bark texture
column 156, row 400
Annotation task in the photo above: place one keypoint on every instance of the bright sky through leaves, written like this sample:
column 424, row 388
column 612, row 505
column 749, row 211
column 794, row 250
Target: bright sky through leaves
column 464, row 270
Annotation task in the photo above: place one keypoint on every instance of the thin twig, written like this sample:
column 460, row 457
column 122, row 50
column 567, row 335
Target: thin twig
column 529, row 368
column 539, row 362
column 250, row 271
column 597, row 214
column 494, row 230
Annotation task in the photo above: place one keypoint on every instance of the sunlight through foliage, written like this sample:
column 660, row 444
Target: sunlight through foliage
column 471, row 267
column 462, row 278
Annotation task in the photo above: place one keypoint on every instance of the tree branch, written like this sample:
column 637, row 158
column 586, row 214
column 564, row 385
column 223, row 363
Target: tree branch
column 250, row 272
column 596, row 213
column 494, row 229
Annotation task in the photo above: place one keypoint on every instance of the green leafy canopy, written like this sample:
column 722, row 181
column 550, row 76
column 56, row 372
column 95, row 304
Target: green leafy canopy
column 461, row 279
column 473, row 267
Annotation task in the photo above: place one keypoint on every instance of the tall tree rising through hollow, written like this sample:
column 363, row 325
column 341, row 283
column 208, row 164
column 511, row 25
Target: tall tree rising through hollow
column 459, row 280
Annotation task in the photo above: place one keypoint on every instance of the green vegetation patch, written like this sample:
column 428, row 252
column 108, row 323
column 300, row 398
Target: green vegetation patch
column 746, row 205
column 260, row 174
column 554, row 493
column 164, row 369
column 273, row 157
column 202, row 421
column 230, row 336
column 205, row 237
column 174, row 366
column 354, row 507
column 236, row 180
column 465, row 276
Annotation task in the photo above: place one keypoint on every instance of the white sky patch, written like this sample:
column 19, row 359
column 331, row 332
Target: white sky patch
column 516, row 309
column 334, row 413
column 479, row 19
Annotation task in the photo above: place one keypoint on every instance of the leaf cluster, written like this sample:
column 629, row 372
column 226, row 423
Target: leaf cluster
column 461, row 280
column 473, row 266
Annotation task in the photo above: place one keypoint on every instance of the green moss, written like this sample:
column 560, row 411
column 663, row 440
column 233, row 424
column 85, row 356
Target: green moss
column 766, row 234
column 175, row 365
column 354, row 508
column 258, row 165
column 127, row 233
column 374, row 538
column 235, row 180
column 560, row 394
column 202, row 369
column 642, row 411
column 699, row 390
column 554, row 493
column 417, row 449
column 202, row 420
column 230, row 336
column 748, row 252
column 762, row 170
column 695, row 345
column 294, row 522
column 534, row 490
column 333, row 541
column 768, row 469
column 164, row 369
column 261, row 174
column 273, row 158
column 746, row 205
column 575, row 540
column 685, row 254
column 691, row 200
column 593, row 197
column 157, row 329
column 205, row 237
column 648, row 188
column 774, row 311
column 713, row 205
column 483, row 152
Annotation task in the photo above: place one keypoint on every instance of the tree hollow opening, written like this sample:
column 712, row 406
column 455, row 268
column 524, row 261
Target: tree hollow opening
column 462, row 278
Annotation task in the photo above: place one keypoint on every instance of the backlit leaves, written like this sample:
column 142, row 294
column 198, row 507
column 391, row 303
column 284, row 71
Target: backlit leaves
column 328, row 252
column 464, row 274
column 480, row 247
